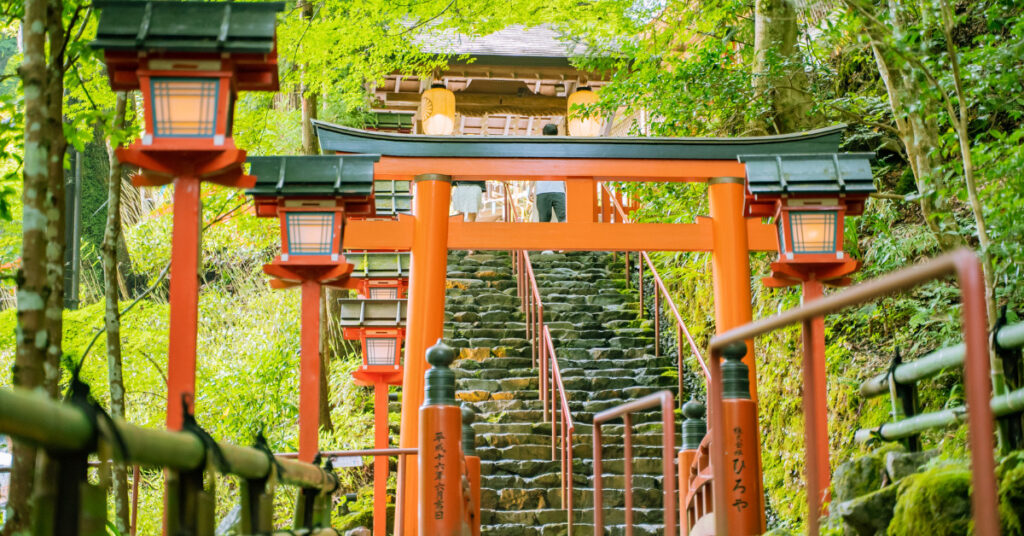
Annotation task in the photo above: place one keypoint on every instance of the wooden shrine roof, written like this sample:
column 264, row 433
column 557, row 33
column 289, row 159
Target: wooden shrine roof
column 335, row 138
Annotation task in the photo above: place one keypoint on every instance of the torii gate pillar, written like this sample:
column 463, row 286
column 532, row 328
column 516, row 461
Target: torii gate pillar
column 730, row 265
column 427, row 275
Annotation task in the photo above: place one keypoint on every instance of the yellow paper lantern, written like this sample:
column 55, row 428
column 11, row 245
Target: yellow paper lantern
column 437, row 111
column 579, row 123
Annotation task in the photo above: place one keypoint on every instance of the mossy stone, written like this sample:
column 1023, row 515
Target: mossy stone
column 936, row 502
column 868, row 515
column 857, row 477
column 1011, row 494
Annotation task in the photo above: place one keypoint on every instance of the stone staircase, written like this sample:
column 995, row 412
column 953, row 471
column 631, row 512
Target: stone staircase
column 606, row 358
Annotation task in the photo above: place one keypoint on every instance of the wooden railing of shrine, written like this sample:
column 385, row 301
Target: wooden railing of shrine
column 553, row 396
column 71, row 432
column 900, row 382
column 965, row 266
column 664, row 400
column 695, row 482
column 661, row 296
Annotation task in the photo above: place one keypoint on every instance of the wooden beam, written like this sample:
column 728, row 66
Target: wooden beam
column 573, row 236
column 579, row 200
column 477, row 101
column 614, row 169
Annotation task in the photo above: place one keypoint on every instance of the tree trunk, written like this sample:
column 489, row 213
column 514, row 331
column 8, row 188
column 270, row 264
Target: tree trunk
column 326, row 351
column 40, row 279
column 33, row 286
column 914, row 113
column 112, row 319
column 309, row 142
column 778, row 67
column 55, row 204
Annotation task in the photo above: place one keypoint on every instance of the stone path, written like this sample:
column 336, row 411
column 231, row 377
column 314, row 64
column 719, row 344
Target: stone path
column 606, row 357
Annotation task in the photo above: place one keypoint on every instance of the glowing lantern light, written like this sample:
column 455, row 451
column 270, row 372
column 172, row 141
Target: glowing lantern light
column 437, row 108
column 581, row 124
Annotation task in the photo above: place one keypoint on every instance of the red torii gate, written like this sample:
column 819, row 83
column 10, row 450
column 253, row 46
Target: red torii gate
column 433, row 162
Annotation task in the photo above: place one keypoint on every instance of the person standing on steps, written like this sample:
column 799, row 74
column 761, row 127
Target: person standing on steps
column 549, row 196
column 466, row 196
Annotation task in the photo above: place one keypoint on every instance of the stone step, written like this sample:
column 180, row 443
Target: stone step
column 583, row 516
column 604, row 352
column 551, row 497
column 613, row 432
column 582, row 449
column 536, row 415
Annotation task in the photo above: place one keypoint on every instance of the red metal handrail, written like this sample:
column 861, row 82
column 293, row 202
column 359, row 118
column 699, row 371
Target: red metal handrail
column 550, row 383
column 561, row 412
column 965, row 265
column 668, row 429
column 698, row 495
column 698, row 475
column 681, row 330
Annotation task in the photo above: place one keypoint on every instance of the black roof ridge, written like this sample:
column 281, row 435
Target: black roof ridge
column 392, row 136
column 337, row 138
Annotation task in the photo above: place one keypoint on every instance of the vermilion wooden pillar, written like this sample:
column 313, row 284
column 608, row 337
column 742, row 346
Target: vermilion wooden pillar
column 816, row 395
column 184, row 298
column 429, row 269
column 309, row 373
column 730, row 263
column 380, row 463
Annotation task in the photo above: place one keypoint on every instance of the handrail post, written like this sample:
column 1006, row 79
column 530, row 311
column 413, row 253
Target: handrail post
column 694, row 431
column 625, row 255
column 542, row 383
column 679, row 361
column 639, row 281
column 257, row 502
column 744, row 495
column 668, row 430
column 657, row 323
column 627, row 468
column 472, row 468
column 440, row 460
column 598, row 482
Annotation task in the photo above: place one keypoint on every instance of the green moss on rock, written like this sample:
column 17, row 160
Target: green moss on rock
column 936, row 502
column 1011, row 494
column 861, row 476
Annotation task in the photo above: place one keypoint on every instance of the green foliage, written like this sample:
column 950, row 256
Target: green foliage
column 1011, row 494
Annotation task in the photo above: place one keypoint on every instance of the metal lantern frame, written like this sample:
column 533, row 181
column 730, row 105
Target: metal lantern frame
column 366, row 336
column 371, row 320
column 788, row 188
column 788, row 226
column 334, row 244
column 223, row 99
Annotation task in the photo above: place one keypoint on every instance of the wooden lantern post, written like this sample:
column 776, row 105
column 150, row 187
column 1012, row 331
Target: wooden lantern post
column 379, row 325
column 311, row 196
column 808, row 197
column 189, row 77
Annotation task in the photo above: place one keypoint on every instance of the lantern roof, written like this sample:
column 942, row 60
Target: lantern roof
column 313, row 176
column 830, row 174
column 234, row 27
column 336, row 138
column 369, row 264
column 373, row 313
